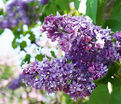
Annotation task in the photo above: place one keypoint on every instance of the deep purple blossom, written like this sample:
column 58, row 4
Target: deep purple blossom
column 89, row 51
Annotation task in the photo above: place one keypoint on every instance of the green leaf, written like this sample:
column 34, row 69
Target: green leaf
column 44, row 8
column 32, row 37
column 113, row 24
column 95, row 10
column 91, row 9
column 23, row 44
column 49, row 58
column 85, row 102
column 51, row 9
column 115, row 19
column 40, row 57
column 116, row 91
column 27, row 58
column 111, row 71
column 2, row 12
column 100, row 12
column 1, row 31
column 53, row 54
column 100, row 95
column 16, row 32
column 14, row 43
column 76, row 4
column 62, row 6
column 68, row 61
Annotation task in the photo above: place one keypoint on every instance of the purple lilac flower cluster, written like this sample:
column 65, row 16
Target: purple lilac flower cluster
column 58, row 75
column 88, row 53
column 19, row 11
column 16, row 83
column 117, row 39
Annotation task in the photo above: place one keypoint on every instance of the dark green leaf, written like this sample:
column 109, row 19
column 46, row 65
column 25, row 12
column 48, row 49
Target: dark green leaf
column 95, row 10
column 53, row 54
column 40, row 57
column 68, row 61
column 16, row 32
column 116, row 91
column 62, row 6
column 76, row 4
column 115, row 25
column 14, row 43
column 50, row 9
column 23, row 44
column 91, row 9
column 100, row 95
column 1, row 31
column 49, row 58
column 115, row 19
column 85, row 102
column 42, row 102
column 2, row 12
column 44, row 8
column 27, row 58
column 32, row 37
column 100, row 12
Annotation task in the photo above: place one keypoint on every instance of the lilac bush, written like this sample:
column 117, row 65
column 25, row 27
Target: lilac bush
column 20, row 11
column 89, row 50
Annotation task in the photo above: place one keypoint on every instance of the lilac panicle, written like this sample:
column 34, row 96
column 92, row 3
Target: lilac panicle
column 89, row 51
column 16, row 83
column 20, row 11
column 58, row 75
